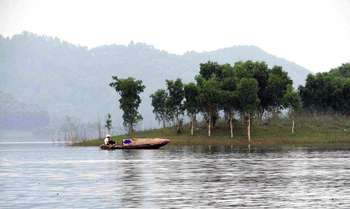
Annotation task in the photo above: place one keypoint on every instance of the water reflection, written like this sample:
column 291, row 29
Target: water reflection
column 42, row 176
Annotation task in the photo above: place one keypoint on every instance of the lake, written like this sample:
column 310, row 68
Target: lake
column 45, row 175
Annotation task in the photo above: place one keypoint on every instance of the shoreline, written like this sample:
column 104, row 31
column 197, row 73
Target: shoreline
column 318, row 131
column 270, row 144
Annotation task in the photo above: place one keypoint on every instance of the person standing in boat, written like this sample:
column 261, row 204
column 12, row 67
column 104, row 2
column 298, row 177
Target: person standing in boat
column 108, row 140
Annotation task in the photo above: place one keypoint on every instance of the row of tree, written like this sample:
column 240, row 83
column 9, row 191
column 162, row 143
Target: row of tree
column 328, row 91
column 244, row 89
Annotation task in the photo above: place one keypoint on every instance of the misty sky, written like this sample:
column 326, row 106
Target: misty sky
column 313, row 33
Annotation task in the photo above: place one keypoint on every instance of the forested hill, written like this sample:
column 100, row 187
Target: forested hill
column 66, row 79
column 17, row 115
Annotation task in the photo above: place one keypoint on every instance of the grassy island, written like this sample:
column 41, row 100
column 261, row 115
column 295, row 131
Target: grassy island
column 245, row 103
column 319, row 131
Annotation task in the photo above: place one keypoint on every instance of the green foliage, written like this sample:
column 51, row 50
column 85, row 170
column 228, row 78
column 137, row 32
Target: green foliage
column 175, row 96
column 159, row 99
column 248, row 87
column 250, row 69
column 210, row 78
column 191, row 98
column 291, row 99
column 341, row 71
column 174, row 102
column 272, row 83
column 129, row 90
column 229, row 95
column 211, row 69
column 108, row 124
column 248, row 95
column 277, row 86
column 210, row 95
column 327, row 92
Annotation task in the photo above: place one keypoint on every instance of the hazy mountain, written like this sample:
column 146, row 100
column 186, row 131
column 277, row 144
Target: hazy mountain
column 66, row 79
column 17, row 115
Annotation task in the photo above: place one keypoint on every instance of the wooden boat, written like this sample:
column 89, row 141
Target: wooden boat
column 144, row 143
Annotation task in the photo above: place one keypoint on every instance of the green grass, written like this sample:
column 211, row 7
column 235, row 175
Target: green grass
column 310, row 131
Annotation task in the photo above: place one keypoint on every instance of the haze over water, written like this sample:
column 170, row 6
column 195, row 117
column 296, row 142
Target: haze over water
column 35, row 175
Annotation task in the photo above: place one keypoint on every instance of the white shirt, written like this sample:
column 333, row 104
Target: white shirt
column 106, row 141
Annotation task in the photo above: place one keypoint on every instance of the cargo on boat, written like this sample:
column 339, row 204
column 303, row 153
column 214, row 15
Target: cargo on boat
column 140, row 143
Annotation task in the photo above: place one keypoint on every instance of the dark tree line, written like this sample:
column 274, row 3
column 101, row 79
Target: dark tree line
column 248, row 88
column 328, row 92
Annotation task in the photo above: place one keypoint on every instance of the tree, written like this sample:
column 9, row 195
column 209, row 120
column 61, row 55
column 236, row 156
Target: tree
column 248, row 99
column 329, row 91
column 272, row 83
column 159, row 99
column 262, row 74
column 174, row 102
column 129, row 90
column 191, row 102
column 229, row 99
column 277, row 87
column 108, row 124
column 341, row 71
column 212, row 71
column 346, row 96
column 209, row 97
column 291, row 101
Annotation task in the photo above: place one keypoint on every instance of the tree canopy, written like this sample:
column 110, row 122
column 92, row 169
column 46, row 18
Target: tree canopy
column 108, row 124
column 248, row 95
column 159, row 99
column 247, row 87
column 129, row 90
column 328, row 91
column 250, row 88
column 174, row 101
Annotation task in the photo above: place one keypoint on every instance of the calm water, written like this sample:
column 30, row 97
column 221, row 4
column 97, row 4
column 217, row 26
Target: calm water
column 55, row 176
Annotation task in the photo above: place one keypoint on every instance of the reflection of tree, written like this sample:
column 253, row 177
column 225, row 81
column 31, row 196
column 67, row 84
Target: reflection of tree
column 131, row 180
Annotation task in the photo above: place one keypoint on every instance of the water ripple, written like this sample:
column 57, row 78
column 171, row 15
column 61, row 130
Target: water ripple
column 43, row 176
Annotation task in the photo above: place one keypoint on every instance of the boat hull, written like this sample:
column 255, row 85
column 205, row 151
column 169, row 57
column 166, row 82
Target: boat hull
column 145, row 144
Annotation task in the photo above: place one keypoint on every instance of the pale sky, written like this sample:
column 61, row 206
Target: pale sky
column 312, row 33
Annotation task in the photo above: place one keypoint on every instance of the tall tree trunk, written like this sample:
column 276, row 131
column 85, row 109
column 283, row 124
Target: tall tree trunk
column 261, row 115
column 209, row 125
column 178, row 128
column 231, row 125
column 163, row 123
column 275, row 113
column 192, row 124
column 242, row 118
column 177, row 124
column 130, row 130
column 293, row 127
column 248, row 127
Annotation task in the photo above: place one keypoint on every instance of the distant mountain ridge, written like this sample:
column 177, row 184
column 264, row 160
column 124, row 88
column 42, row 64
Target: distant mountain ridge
column 17, row 115
column 66, row 79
